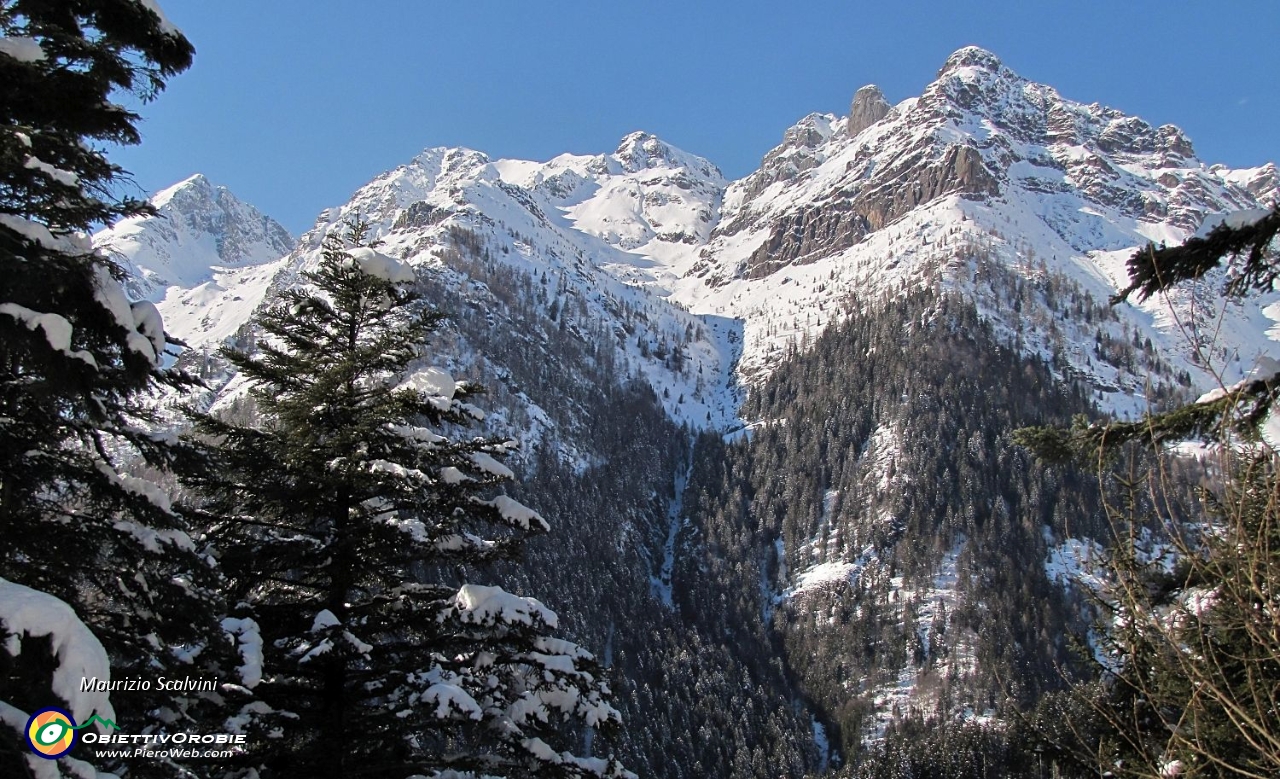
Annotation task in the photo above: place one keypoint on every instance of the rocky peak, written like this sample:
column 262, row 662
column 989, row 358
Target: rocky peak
column 204, row 258
column 193, row 192
column 241, row 234
column 971, row 57
column 440, row 162
column 1264, row 183
column 809, row 133
column 869, row 106
column 975, row 131
column 798, row 152
column 640, row 150
column 1174, row 141
column 974, row 84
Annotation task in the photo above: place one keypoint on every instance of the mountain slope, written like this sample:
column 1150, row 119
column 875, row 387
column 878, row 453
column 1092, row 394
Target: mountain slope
column 458, row 215
column 983, row 163
column 850, row 332
column 205, row 258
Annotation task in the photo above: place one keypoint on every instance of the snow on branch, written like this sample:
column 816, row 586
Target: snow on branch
column 167, row 27
column 382, row 266
column 450, row 699
column 249, row 640
column 24, row 611
column 64, row 177
column 57, row 330
column 488, row 464
column 420, row 434
column 480, row 605
column 110, row 295
column 514, row 512
column 152, row 493
column 437, row 387
column 38, row 234
column 22, row 48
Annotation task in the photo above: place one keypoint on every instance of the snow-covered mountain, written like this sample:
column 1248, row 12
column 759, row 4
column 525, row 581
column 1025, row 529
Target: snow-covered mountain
column 205, row 258
column 568, row 279
column 580, row 232
column 984, row 163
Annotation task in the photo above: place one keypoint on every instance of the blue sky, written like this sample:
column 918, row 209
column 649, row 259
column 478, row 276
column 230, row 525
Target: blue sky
column 293, row 105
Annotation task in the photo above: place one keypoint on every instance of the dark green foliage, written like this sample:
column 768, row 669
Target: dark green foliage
column 346, row 521
column 1240, row 410
column 1153, row 270
column 94, row 50
column 1195, row 669
column 932, row 749
column 696, row 701
column 82, row 510
column 1251, row 255
column 888, row 442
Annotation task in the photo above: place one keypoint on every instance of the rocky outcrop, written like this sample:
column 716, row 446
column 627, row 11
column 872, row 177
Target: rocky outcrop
column 1133, row 136
column 803, row 236
column 821, row 229
column 421, row 215
column 869, row 106
column 1264, row 184
column 980, row 130
column 1173, row 141
column 796, row 154
column 197, row 227
column 960, row 170
column 240, row 232
column 971, row 57
column 640, row 150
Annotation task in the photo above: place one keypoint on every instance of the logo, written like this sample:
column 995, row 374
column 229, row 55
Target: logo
column 51, row 732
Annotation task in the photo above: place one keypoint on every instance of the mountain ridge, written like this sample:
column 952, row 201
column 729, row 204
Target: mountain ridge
column 981, row 158
column 856, row 504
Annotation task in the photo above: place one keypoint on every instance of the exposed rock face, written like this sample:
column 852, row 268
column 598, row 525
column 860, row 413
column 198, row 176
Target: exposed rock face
column 198, row 226
column 1131, row 135
column 843, row 220
column 640, row 151
column 1173, row 141
column 978, row 130
column 241, row 233
column 1264, row 183
column 804, row 236
column 421, row 215
column 204, row 258
column 796, row 154
column 868, row 107
column 961, row 170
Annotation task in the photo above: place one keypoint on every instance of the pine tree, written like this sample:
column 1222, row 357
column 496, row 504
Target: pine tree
column 81, row 523
column 346, row 521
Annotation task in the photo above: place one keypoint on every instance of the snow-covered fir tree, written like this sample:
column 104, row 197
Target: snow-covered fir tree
column 346, row 521
column 94, row 560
